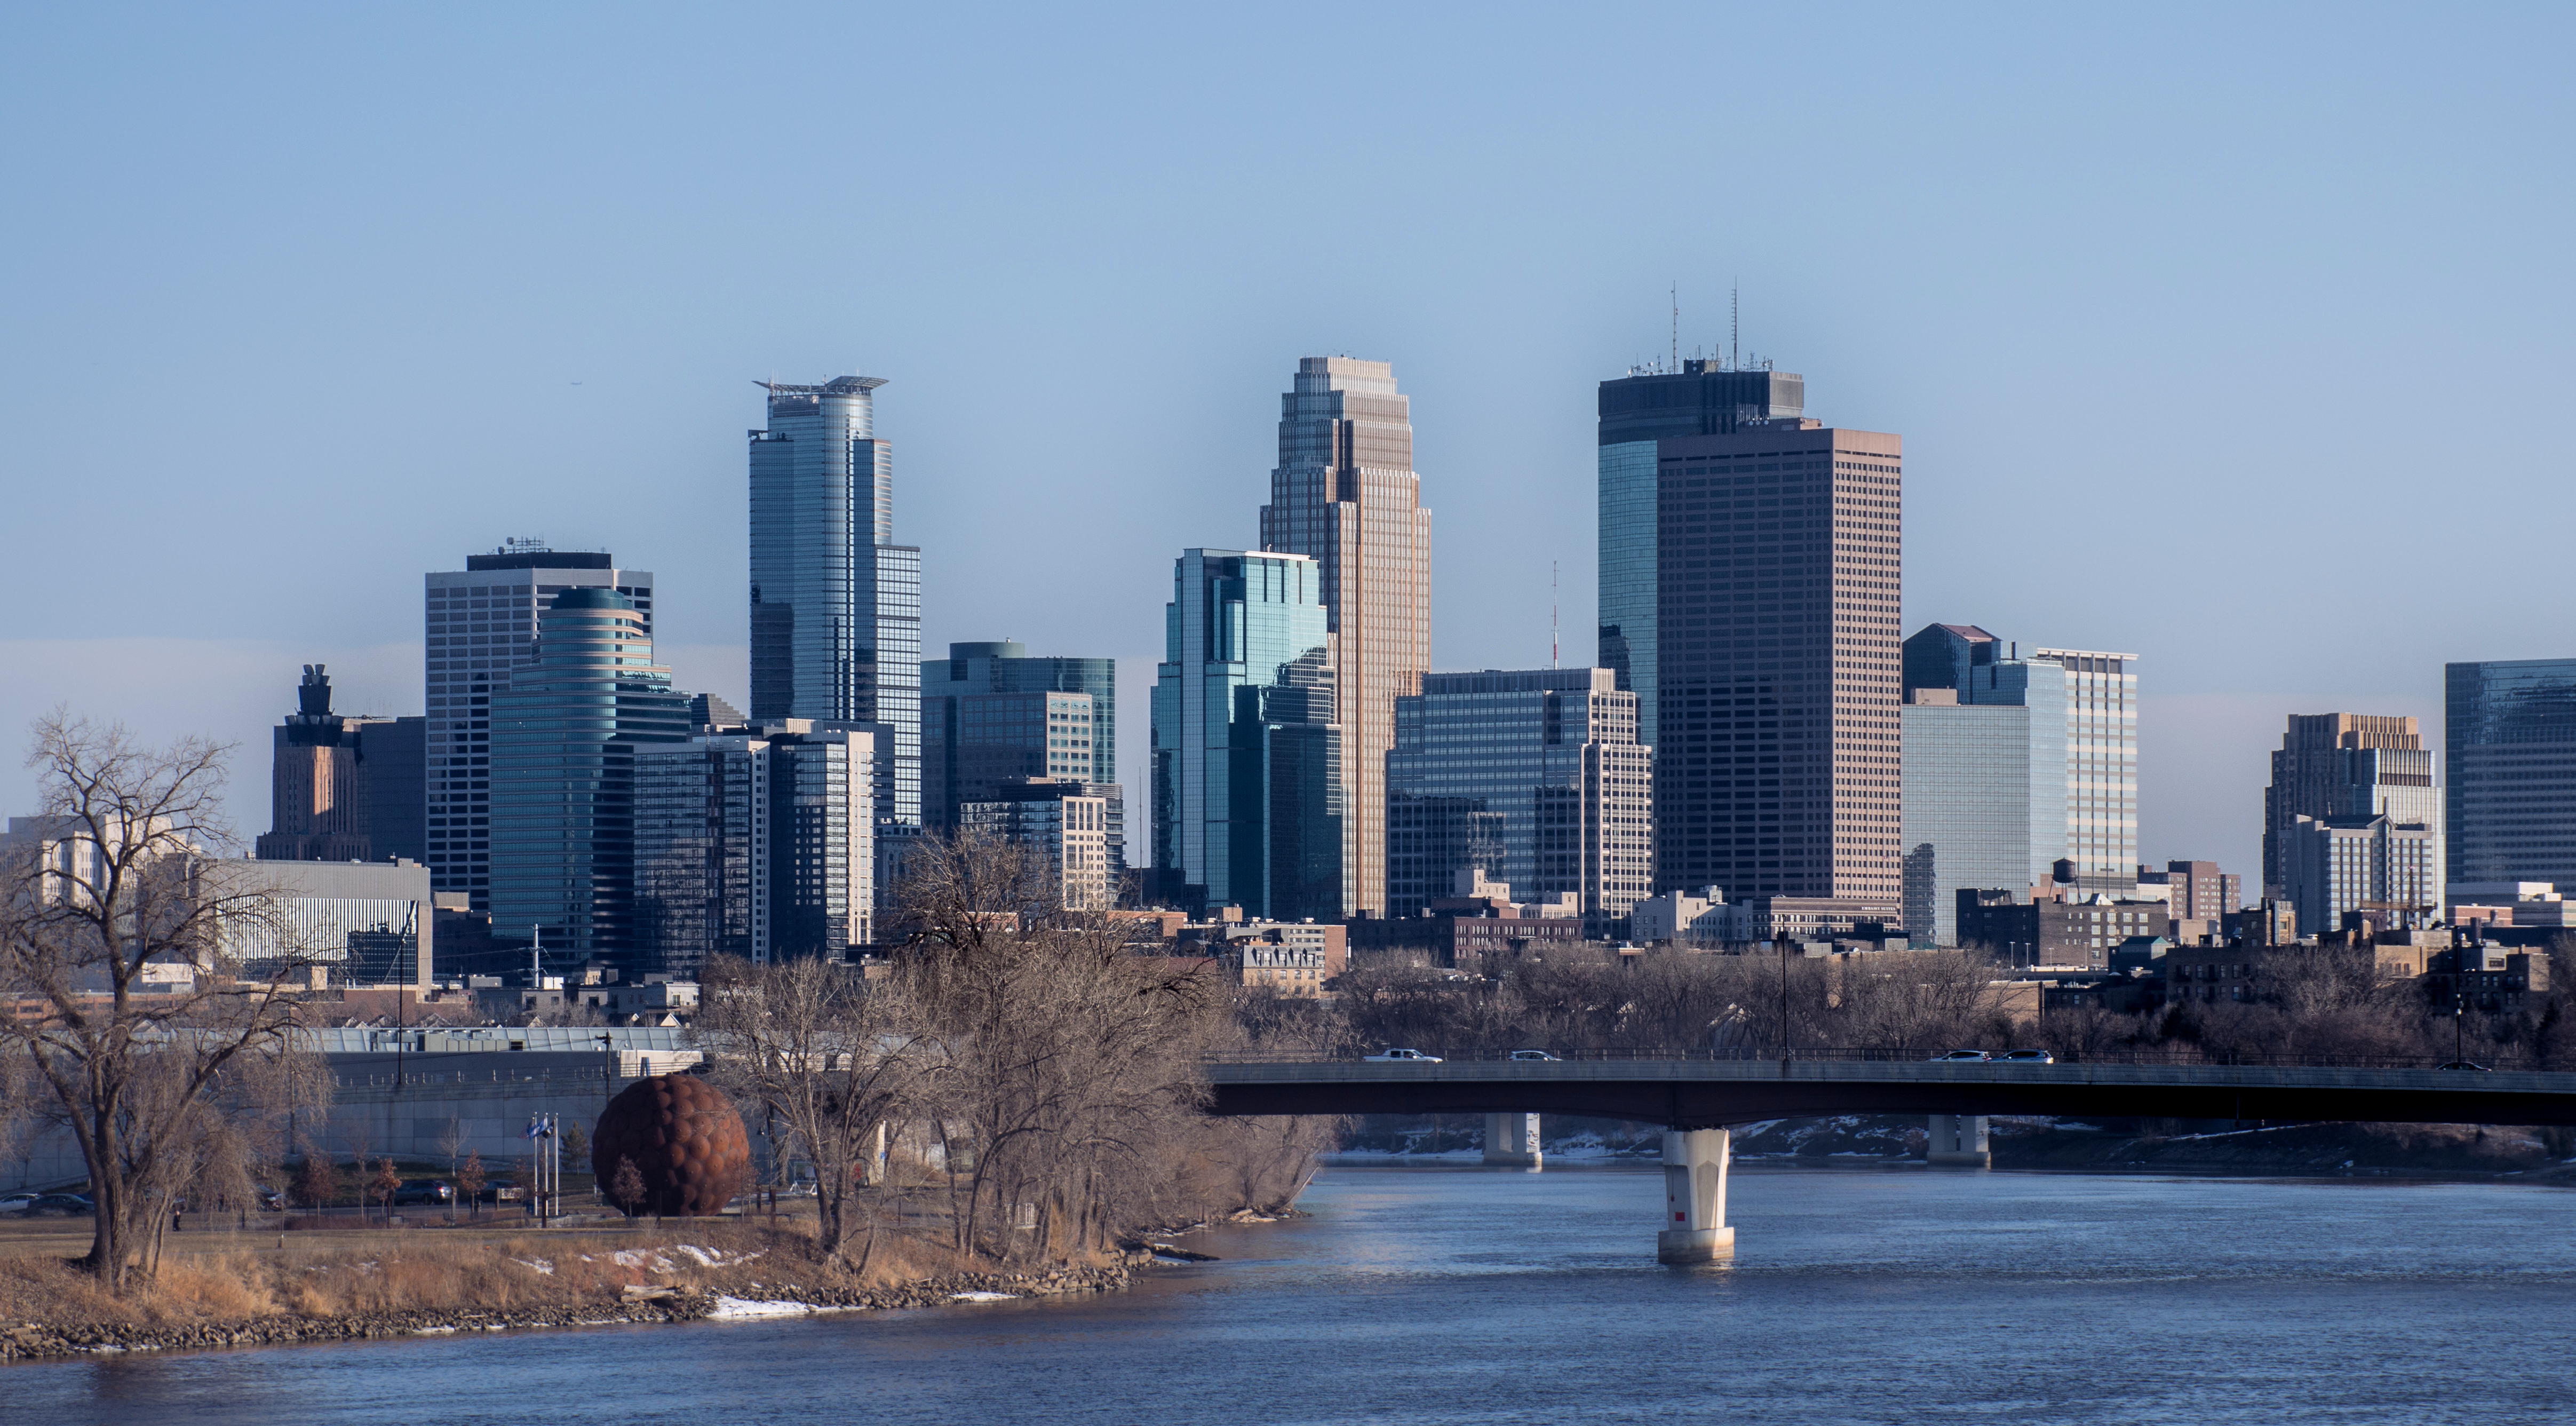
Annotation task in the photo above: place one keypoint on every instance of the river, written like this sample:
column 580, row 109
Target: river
column 1419, row 1295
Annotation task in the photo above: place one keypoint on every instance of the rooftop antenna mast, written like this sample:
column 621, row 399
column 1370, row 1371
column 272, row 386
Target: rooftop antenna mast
column 1677, row 327
column 1735, row 325
column 1552, row 655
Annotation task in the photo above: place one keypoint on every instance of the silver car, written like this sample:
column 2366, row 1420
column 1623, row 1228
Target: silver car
column 1398, row 1056
column 1962, row 1057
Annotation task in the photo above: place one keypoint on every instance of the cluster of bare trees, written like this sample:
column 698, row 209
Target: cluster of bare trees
column 134, row 1026
column 1680, row 1001
column 2332, row 1003
column 1048, row 1076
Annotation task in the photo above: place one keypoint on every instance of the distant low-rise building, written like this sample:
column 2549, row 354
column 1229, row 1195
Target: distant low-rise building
column 2049, row 932
column 360, row 923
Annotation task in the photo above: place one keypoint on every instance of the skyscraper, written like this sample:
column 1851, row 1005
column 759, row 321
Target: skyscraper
column 1345, row 493
column 343, row 788
column 482, row 623
column 990, row 712
column 1777, row 563
column 2345, row 765
column 835, row 603
column 564, row 738
column 1248, row 798
column 2013, row 764
column 1535, row 778
column 756, row 844
column 1704, row 398
column 2510, row 727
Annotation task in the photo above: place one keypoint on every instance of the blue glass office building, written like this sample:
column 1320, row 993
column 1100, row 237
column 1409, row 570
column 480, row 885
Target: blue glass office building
column 835, row 603
column 1247, row 792
column 564, row 738
column 2511, row 804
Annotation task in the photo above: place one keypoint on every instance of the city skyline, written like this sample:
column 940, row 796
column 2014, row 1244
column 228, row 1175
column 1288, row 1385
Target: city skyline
column 2036, row 308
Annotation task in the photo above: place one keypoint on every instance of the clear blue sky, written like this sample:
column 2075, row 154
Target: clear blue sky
column 2233, row 337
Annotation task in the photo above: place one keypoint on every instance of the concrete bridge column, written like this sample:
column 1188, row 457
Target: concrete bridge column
column 1695, row 1228
column 1958, row 1139
column 1512, row 1140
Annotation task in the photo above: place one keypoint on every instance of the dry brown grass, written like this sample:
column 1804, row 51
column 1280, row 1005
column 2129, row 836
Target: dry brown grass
column 434, row 1270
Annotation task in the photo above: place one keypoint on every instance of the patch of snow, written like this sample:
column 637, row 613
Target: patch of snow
column 715, row 1257
column 982, row 1296
column 638, row 1258
column 430, row 1331
column 539, row 1264
column 739, row 1308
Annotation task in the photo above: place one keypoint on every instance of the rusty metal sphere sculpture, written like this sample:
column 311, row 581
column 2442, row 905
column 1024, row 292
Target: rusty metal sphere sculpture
column 686, row 1141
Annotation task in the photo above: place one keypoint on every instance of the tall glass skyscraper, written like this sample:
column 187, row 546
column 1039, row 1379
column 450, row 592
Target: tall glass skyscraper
column 1704, row 398
column 480, row 623
column 1345, row 493
column 2510, row 726
column 835, row 603
column 1248, row 798
column 564, row 739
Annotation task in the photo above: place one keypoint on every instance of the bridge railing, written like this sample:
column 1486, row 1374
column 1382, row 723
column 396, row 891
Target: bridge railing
column 1913, row 1055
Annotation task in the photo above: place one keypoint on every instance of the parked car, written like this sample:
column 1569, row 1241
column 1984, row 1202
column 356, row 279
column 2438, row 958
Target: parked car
column 2027, row 1057
column 17, row 1203
column 60, row 1205
column 1533, row 1055
column 1962, row 1057
column 423, row 1190
column 2466, row 1065
column 1403, row 1056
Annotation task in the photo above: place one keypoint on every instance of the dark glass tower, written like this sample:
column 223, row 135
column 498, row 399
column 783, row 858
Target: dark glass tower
column 1704, row 398
column 2510, row 730
column 564, row 738
column 835, row 603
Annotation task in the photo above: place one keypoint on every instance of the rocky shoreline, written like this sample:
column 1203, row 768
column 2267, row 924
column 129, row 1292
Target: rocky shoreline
column 34, row 1340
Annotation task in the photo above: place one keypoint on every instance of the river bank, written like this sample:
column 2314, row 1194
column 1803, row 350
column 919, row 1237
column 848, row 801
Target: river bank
column 409, row 1285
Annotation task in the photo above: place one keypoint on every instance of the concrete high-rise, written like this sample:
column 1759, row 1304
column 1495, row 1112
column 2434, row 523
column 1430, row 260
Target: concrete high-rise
column 1535, row 778
column 564, row 739
column 482, row 623
column 2510, row 730
column 2013, row 764
column 1248, row 797
column 1778, row 556
column 343, row 788
column 2345, row 765
column 1345, row 493
column 1704, row 398
column 835, row 603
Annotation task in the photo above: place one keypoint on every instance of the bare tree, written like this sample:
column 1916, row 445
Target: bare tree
column 827, row 1056
column 129, row 942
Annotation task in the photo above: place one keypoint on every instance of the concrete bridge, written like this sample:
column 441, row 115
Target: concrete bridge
column 1699, row 1099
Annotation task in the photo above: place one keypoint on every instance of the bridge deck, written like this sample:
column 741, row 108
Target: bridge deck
column 1703, row 1093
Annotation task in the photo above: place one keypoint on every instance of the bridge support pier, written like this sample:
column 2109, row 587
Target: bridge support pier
column 1511, row 1140
column 1695, row 1228
column 1958, row 1140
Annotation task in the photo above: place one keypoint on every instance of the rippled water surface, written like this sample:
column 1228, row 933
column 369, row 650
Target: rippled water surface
column 1437, row 1295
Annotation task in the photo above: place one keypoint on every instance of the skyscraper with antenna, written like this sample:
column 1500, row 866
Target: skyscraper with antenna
column 835, row 602
column 1695, row 398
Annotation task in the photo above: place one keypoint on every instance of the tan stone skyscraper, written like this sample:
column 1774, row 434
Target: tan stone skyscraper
column 1345, row 493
